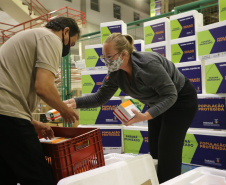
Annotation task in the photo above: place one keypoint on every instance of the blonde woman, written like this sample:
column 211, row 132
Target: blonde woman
column 156, row 82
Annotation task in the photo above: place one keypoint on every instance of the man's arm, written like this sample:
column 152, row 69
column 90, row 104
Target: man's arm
column 46, row 90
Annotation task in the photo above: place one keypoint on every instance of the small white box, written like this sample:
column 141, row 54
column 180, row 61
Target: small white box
column 139, row 45
column 124, row 110
column 156, row 31
column 184, row 50
column 212, row 41
column 185, row 24
column 107, row 28
column 163, row 48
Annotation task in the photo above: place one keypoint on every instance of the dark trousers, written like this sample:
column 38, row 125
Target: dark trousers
column 21, row 155
column 167, row 132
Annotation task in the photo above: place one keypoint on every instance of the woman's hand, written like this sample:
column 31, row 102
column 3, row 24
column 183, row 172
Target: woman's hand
column 43, row 130
column 71, row 103
column 138, row 117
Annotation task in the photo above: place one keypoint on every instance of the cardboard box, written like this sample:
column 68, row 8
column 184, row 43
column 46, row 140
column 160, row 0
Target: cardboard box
column 155, row 12
column 52, row 115
column 222, row 10
column 163, row 48
column 100, row 115
column 92, row 81
column 211, row 113
column 111, row 137
column 206, row 148
column 143, row 108
column 215, row 76
column 107, row 28
column 139, row 45
column 135, row 139
column 124, row 110
column 156, row 31
column 185, row 24
column 192, row 70
column 92, row 57
column 184, row 50
column 155, row 4
column 212, row 41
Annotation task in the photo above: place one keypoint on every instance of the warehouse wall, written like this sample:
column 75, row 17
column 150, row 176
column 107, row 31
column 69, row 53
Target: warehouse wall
column 57, row 4
column 106, row 12
column 94, row 18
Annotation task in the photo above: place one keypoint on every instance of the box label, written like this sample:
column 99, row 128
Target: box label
column 155, row 12
column 193, row 73
column 205, row 150
column 99, row 115
column 91, row 83
column 215, row 78
column 212, row 43
column 161, row 50
column 135, row 141
column 222, row 10
column 210, row 114
column 92, row 57
column 108, row 30
column 111, row 140
column 182, row 27
column 140, row 105
column 183, row 52
column 154, row 33
column 154, row 5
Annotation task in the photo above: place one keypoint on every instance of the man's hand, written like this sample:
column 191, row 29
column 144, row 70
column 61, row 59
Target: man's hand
column 69, row 115
column 137, row 118
column 43, row 129
column 47, row 91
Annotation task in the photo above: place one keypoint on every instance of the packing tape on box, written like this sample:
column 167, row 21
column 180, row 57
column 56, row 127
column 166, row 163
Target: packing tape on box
column 185, row 24
column 156, row 31
column 107, row 28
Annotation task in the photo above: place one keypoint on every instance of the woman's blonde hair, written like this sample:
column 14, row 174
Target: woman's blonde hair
column 122, row 42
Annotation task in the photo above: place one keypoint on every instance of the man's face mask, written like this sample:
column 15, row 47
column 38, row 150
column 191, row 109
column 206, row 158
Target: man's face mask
column 66, row 48
column 112, row 65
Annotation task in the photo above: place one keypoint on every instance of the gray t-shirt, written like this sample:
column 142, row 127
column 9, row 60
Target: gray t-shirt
column 155, row 82
column 19, row 58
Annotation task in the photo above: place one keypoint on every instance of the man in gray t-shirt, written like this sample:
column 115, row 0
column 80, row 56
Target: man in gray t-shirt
column 29, row 62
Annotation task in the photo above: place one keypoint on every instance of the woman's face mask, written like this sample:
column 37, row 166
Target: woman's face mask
column 112, row 65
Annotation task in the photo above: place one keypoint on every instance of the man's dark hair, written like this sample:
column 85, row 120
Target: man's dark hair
column 60, row 23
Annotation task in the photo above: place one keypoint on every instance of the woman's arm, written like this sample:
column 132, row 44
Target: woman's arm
column 102, row 96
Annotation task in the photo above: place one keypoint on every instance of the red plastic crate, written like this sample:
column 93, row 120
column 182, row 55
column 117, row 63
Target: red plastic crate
column 81, row 153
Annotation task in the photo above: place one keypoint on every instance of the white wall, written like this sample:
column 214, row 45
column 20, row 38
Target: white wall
column 93, row 18
column 57, row 4
column 106, row 12
column 5, row 18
